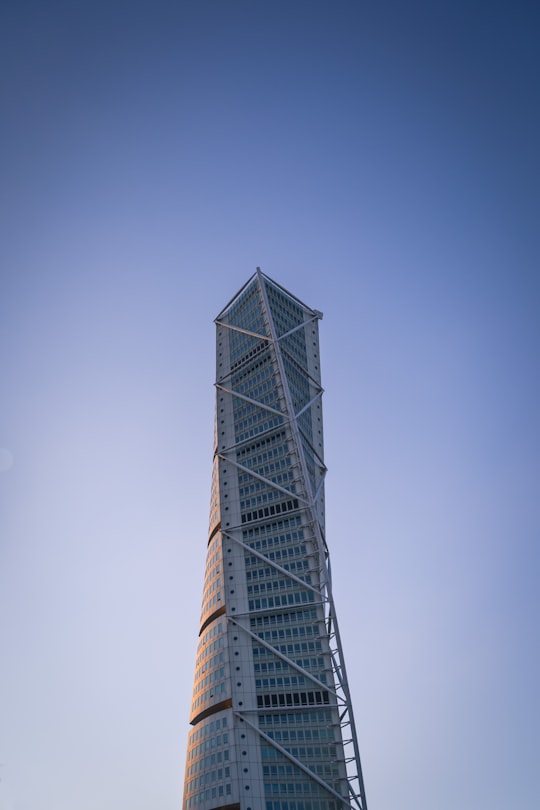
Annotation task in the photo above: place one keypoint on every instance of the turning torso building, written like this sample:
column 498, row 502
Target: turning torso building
column 271, row 718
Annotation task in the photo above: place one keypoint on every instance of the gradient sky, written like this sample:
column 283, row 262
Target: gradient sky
column 380, row 160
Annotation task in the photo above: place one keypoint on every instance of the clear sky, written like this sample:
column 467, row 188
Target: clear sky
column 380, row 160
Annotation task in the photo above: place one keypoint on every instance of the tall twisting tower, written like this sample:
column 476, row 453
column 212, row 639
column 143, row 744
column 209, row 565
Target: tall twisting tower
column 271, row 714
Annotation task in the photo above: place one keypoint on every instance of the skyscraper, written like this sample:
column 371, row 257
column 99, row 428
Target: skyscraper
column 271, row 719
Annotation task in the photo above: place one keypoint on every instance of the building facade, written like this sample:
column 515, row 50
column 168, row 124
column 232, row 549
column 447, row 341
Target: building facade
column 272, row 726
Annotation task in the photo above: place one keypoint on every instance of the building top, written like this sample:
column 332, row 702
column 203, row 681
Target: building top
column 262, row 278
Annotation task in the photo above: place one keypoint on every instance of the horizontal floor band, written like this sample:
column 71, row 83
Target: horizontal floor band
column 215, row 615
column 217, row 707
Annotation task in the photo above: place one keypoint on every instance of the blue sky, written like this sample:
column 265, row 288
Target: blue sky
column 381, row 162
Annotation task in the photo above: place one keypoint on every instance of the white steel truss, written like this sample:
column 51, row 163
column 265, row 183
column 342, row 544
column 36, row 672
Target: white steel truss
column 352, row 754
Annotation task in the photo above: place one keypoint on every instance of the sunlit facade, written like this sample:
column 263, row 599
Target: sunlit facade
column 271, row 718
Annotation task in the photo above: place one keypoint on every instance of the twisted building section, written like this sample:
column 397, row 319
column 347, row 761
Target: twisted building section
column 271, row 715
